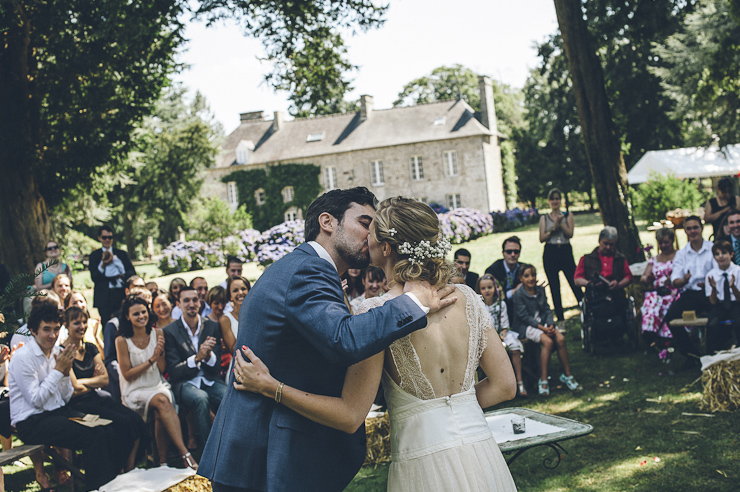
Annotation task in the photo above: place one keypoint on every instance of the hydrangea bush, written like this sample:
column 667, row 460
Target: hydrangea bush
column 459, row 225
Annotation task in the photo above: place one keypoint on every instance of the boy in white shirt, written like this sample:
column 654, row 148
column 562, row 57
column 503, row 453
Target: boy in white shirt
column 723, row 291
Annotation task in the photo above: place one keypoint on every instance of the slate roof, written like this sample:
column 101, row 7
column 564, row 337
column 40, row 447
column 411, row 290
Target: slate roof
column 345, row 132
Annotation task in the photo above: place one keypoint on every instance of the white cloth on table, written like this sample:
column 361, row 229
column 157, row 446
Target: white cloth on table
column 138, row 393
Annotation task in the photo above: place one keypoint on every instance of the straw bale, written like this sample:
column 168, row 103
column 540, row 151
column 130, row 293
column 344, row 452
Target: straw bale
column 721, row 383
column 378, row 432
column 192, row 484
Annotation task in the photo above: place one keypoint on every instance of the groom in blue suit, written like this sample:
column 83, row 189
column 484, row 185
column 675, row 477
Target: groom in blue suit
column 296, row 320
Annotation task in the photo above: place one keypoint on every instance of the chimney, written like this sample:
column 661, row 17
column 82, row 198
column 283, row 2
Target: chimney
column 252, row 116
column 366, row 107
column 487, row 107
column 279, row 121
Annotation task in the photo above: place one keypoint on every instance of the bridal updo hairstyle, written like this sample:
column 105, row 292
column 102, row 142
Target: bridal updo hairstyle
column 413, row 222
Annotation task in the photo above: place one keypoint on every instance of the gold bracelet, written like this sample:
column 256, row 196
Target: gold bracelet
column 279, row 393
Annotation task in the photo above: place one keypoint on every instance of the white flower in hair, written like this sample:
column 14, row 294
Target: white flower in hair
column 425, row 250
column 392, row 232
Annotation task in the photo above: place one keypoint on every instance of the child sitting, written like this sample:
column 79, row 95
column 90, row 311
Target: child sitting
column 489, row 289
column 722, row 285
column 534, row 319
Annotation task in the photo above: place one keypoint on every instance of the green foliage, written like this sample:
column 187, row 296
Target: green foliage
column 304, row 178
column 212, row 219
column 702, row 73
column 11, row 299
column 663, row 193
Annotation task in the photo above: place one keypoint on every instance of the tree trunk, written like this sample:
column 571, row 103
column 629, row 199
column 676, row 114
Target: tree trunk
column 24, row 221
column 602, row 145
column 128, row 235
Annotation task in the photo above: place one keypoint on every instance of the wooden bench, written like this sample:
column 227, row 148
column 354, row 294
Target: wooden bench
column 701, row 326
column 18, row 452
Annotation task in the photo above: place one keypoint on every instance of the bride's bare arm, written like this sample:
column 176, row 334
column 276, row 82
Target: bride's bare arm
column 345, row 413
column 500, row 385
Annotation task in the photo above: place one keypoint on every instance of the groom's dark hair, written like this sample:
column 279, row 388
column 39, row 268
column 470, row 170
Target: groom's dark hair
column 335, row 202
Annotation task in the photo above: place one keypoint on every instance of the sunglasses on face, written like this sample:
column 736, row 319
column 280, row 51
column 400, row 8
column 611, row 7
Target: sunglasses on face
column 52, row 248
column 106, row 237
column 512, row 251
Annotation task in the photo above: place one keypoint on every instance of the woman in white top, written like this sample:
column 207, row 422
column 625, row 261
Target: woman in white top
column 440, row 440
column 237, row 289
column 141, row 362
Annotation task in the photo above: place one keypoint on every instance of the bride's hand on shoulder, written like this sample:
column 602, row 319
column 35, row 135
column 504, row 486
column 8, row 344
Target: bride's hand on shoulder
column 431, row 297
column 253, row 376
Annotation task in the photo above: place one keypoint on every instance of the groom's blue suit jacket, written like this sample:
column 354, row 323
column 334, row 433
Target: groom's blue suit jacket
column 295, row 320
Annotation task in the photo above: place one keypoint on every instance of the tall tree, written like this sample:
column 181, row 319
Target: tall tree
column 602, row 145
column 77, row 76
column 448, row 83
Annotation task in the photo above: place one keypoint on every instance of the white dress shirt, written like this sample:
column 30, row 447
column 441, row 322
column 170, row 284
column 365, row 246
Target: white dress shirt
column 699, row 263
column 35, row 386
column 719, row 279
column 200, row 378
column 323, row 253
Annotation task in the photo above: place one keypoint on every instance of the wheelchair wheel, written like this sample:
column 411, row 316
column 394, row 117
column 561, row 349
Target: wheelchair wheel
column 586, row 331
column 633, row 328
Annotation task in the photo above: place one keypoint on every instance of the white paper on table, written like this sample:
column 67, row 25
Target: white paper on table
column 151, row 480
column 503, row 431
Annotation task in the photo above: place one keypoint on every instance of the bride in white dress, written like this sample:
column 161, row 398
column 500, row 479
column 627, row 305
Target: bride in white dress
column 440, row 440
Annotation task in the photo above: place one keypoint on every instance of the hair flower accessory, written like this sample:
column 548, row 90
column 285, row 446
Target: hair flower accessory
column 425, row 250
column 392, row 232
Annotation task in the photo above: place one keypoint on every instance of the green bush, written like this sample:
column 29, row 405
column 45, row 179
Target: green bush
column 663, row 193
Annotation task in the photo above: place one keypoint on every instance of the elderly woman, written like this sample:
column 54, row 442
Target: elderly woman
column 661, row 293
column 53, row 253
column 717, row 207
column 605, row 261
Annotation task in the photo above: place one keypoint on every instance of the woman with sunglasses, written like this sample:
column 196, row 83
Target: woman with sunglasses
column 53, row 252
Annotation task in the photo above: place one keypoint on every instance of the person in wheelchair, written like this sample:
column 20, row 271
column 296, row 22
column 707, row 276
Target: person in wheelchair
column 605, row 270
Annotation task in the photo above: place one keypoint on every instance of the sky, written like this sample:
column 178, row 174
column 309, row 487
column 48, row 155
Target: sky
column 493, row 37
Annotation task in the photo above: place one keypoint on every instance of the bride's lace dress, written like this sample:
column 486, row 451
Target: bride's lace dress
column 441, row 443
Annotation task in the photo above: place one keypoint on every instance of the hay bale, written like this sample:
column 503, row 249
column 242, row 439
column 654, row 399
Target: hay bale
column 721, row 383
column 192, row 484
column 378, row 433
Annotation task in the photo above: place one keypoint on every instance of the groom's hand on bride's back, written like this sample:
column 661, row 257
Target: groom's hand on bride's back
column 431, row 297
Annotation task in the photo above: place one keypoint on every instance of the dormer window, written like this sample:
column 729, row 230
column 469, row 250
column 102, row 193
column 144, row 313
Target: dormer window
column 243, row 150
column 259, row 196
column 315, row 137
column 440, row 121
column 287, row 194
column 291, row 214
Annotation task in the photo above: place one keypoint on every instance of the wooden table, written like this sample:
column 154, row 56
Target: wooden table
column 513, row 444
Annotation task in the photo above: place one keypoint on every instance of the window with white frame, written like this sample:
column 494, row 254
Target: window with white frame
column 232, row 195
column 449, row 158
column 376, row 173
column 259, row 196
column 417, row 170
column 291, row 214
column 330, row 178
column 453, row 201
column 287, row 194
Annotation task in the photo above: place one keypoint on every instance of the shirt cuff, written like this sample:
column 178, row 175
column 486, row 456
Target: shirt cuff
column 55, row 376
column 211, row 360
column 101, row 268
column 509, row 293
column 418, row 303
column 191, row 361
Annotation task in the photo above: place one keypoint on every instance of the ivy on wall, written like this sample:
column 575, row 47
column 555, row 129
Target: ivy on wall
column 304, row 178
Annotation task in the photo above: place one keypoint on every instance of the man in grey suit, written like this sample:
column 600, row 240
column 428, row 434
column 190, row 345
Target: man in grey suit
column 192, row 346
column 296, row 320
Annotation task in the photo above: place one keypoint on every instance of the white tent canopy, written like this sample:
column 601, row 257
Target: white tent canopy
column 693, row 162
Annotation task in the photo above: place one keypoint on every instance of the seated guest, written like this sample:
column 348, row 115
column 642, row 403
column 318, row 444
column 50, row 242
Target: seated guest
column 62, row 285
column 606, row 261
column 53, row 253
column 233, row 269
column 353, row 281
column 733, row 224
column 22, row 335
column 534, row 319
column 88, row 376
column 238, row 288
column 162, row 308
column 690, row 268
column 372, row 283
column 217, row 299
column 722, row 289
column 193, row 352
column 201, row 287
column 462, row 260
column 93, row 333
column 143, row 389
column 719, row 206
column 488, row 289
column 152, row 287
column 661, row 293
column 506, row 270
column 175, row 285
column 40, row 387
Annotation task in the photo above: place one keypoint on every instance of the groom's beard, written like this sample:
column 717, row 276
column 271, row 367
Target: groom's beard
column 353, row 258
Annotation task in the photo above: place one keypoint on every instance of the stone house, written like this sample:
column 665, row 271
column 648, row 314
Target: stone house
column 440, row 152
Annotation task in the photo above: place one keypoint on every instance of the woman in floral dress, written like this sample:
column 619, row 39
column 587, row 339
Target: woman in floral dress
column 658, row 299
